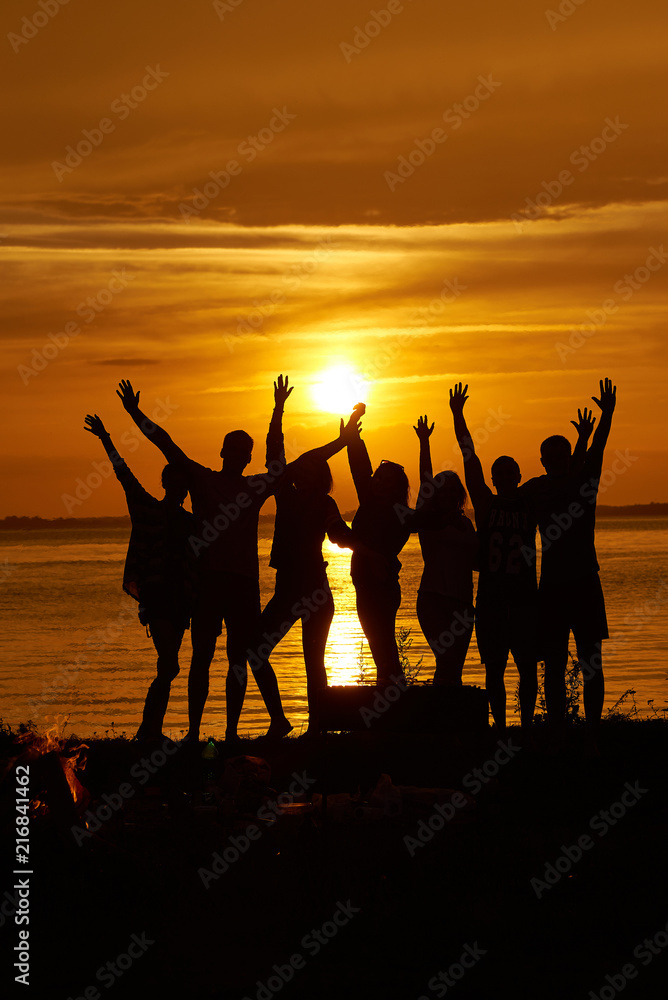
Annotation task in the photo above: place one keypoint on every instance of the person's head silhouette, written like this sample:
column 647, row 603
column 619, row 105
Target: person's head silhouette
column 174, row 484
column 555, row 455
column 506, row 475
column 450, row 494
column 312, row 474
column 390, row 482
column 237, row 451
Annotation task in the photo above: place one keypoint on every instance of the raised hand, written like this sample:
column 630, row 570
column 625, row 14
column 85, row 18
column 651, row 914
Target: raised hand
column 458, row 397
column 423, row 430
column 608, row 398
column 128, row 397
column 350, row 431
column 95, row 426
column 281, row 390
column 584, row 424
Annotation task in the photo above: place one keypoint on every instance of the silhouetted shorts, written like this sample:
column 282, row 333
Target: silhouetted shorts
column 502, row 627
column 578, row 607
column 230, row 598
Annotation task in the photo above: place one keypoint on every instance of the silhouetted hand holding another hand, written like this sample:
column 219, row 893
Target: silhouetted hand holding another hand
column 350, row 431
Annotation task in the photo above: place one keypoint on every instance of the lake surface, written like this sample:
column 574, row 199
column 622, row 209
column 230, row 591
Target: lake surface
column 73, row 647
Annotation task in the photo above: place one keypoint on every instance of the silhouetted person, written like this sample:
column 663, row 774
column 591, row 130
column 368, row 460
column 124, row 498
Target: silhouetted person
column 305, row 513
column 227, row 507
column 159, row 571
column 449, row 547
column 507, row 597
column 571, row 596
column 381, row 528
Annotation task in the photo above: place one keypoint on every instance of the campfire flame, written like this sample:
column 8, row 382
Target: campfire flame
column 72, row 759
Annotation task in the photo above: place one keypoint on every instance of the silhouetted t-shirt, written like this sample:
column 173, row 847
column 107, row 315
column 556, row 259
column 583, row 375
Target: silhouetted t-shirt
column 449, row 546
column 303, row 518
column 159, row 568
column 566, row 511
column 507, row 560
column 227, row 508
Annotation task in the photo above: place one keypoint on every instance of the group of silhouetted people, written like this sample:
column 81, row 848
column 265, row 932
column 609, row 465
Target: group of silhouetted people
column 201, row 569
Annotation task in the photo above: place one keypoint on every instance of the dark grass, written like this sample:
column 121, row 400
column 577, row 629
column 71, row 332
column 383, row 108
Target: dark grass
column 138, row 874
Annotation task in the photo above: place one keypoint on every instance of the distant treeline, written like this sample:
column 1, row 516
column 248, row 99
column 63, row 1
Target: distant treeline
column 15, row 523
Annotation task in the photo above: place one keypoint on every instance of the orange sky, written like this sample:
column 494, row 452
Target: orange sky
column 378, row 211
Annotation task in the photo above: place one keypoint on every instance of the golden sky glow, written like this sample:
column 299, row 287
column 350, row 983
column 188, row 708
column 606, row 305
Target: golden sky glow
column 472, row 192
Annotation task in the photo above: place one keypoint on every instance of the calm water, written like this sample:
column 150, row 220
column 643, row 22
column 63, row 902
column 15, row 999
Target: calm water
column 73, row 646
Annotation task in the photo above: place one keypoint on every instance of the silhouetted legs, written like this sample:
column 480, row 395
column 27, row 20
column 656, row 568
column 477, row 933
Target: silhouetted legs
column 578, row 607
column 504, row 627
column 377, row 606
column 496, row 690
column 234, row 599
column 315, row 606
column 315, row 630
column 167, row 639
column 447, row 625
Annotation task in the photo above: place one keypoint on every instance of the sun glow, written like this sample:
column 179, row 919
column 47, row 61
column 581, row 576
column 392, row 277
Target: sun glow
column 338, row 389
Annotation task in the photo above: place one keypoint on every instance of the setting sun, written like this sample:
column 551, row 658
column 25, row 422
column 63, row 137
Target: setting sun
column 338, row 389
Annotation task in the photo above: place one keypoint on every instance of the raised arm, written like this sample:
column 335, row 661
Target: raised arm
column 359, row 461
column 156, row 434
column 606, row 403
column 473, row 474
column 424, row 432
column 134, row 491
column 275, row 444
column 584, row 426
column 95, row 426
column 347, row 433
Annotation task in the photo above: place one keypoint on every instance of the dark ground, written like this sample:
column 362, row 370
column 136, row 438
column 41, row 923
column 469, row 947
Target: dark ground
column 404, row 915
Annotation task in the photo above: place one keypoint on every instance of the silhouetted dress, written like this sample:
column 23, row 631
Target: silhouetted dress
column 445, row 595
column 303, row 518
column 380, row 528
